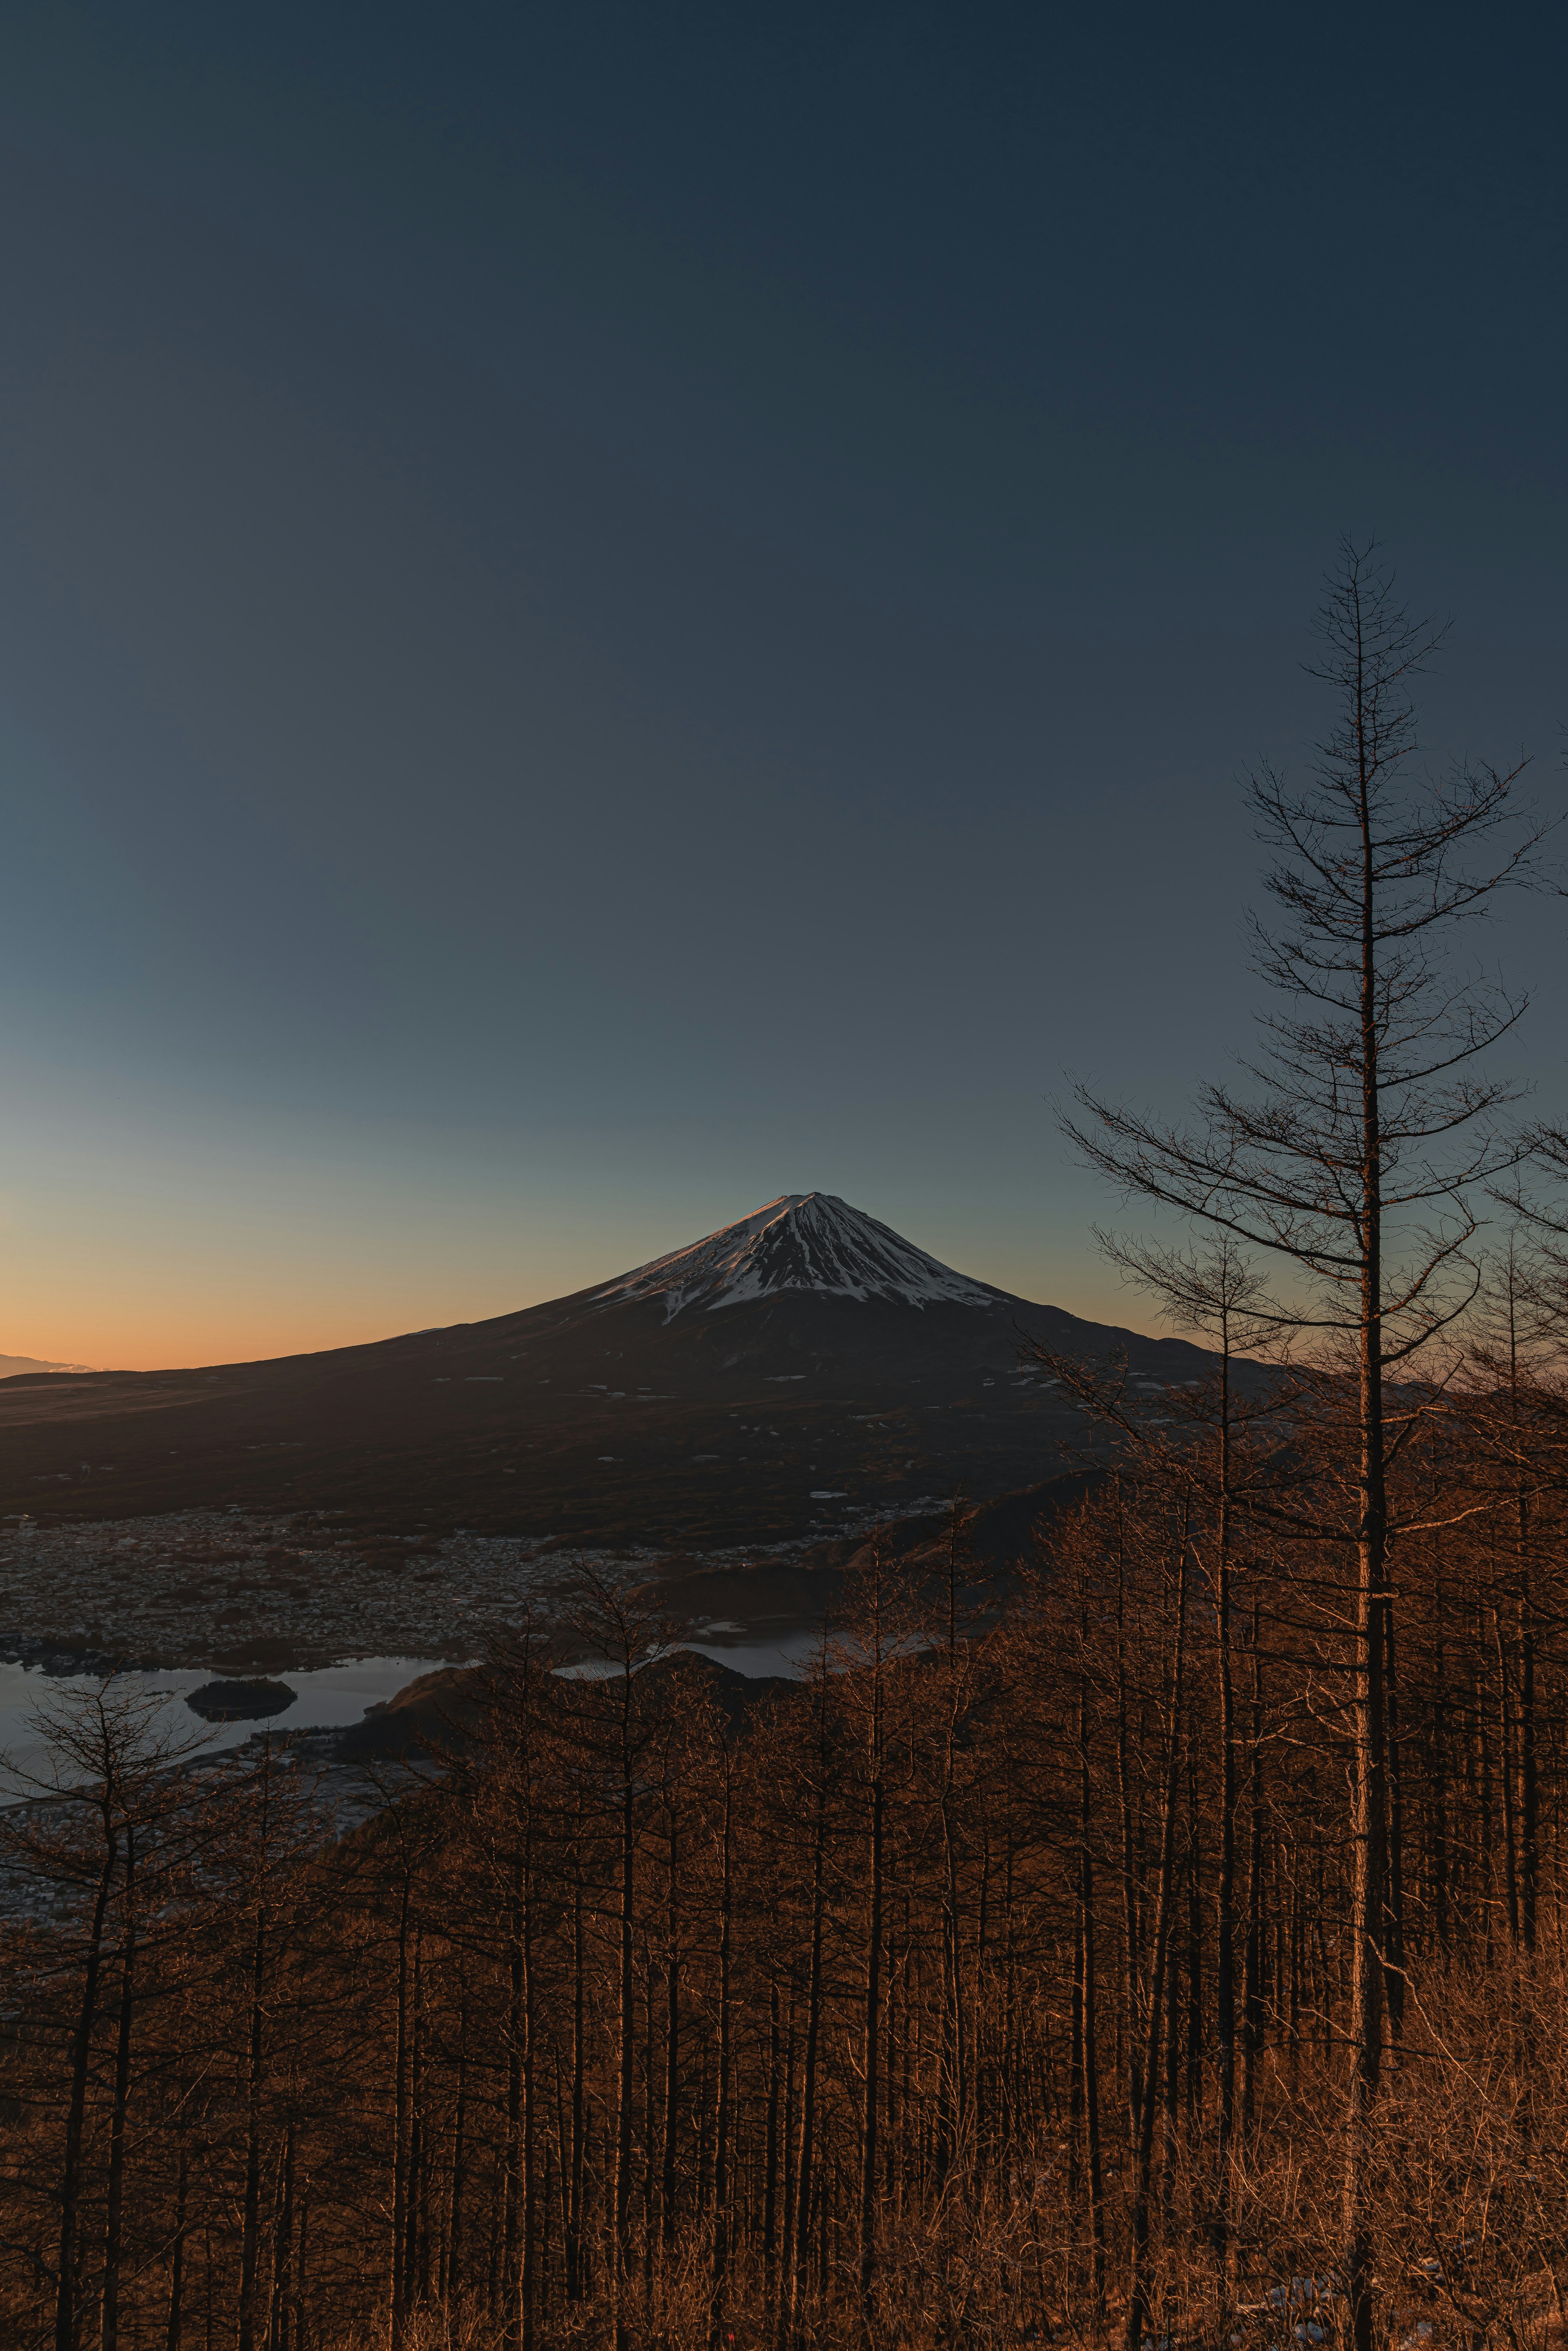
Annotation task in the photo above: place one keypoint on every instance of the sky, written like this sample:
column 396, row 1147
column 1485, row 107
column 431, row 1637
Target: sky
column 607, row 611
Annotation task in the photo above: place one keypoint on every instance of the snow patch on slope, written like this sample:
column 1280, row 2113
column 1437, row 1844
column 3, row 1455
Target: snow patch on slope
column 805, row 1240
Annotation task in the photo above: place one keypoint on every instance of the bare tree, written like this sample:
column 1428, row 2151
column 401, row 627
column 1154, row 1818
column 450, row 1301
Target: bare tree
column 1351, row 1157
column 106, row 1787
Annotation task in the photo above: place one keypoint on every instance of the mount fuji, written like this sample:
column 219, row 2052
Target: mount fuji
column 803, row 1368
column 804, row 1240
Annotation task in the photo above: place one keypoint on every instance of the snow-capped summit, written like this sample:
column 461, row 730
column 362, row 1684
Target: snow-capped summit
column 806, row 1240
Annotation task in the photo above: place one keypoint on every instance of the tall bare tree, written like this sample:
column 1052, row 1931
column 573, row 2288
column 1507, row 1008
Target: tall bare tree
column 1352, row 1151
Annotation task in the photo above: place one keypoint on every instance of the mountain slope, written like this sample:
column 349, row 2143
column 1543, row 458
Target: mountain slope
column 795, row 1372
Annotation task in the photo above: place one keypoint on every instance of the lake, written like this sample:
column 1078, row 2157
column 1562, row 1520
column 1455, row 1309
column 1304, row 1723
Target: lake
column 325, row 1701
column 332, row 1696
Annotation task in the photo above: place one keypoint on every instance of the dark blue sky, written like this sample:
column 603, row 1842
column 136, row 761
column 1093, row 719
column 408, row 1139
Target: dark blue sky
column 607, row 611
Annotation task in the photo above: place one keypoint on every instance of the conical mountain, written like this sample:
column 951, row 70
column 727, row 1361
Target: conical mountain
column 803, row 1368
column 804, row 1240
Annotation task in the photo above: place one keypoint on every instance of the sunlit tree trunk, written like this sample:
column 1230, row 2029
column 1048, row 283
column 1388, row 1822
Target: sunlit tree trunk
column 1164, row 1908
column 116, row 2201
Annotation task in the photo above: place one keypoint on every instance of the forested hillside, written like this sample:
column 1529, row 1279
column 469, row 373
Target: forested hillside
column 981, row 1987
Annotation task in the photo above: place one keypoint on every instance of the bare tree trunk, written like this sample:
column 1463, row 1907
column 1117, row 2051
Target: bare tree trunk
column 1506, row 1780
column 1085, row 2006
column 1369, row 1814
column 672, row 2042
column 283, row 2252
column 116, row 2199
column 1393, row 1873
column 1171, row 2156
column 454, row 2283
column 1257, row 1945
column 512, row 2152
column 574, row 2182
column 1225, row 1894
column 770, row 2146
column 1438, row 1799
column 1131, row 1923
column 76, row 2113
column 416, row 2165
column 1529, row 1765
column 529, row 2087
column 872, row 2044
column 627, row 2069
column 805, row 2167
column 954, row 2085
column 788, row 2219
column 1368, row 1820
column 400, row 2128
column 177, row 2255
column 722, row 2109
column 1143, row 2145
column 250, row 2239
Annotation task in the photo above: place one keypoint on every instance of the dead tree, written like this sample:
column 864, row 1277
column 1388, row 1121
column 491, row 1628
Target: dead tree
column 1352, row 1154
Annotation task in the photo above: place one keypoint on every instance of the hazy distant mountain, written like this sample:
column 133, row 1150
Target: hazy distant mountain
column 788, row 1375
column 13, row 1366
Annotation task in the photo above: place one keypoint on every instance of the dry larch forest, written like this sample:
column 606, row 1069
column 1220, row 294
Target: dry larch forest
column 1161, row 1945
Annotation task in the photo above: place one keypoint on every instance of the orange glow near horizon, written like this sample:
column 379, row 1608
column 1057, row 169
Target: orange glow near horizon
column 129, row 1333
column 251, row 1332
column 182, row 1321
